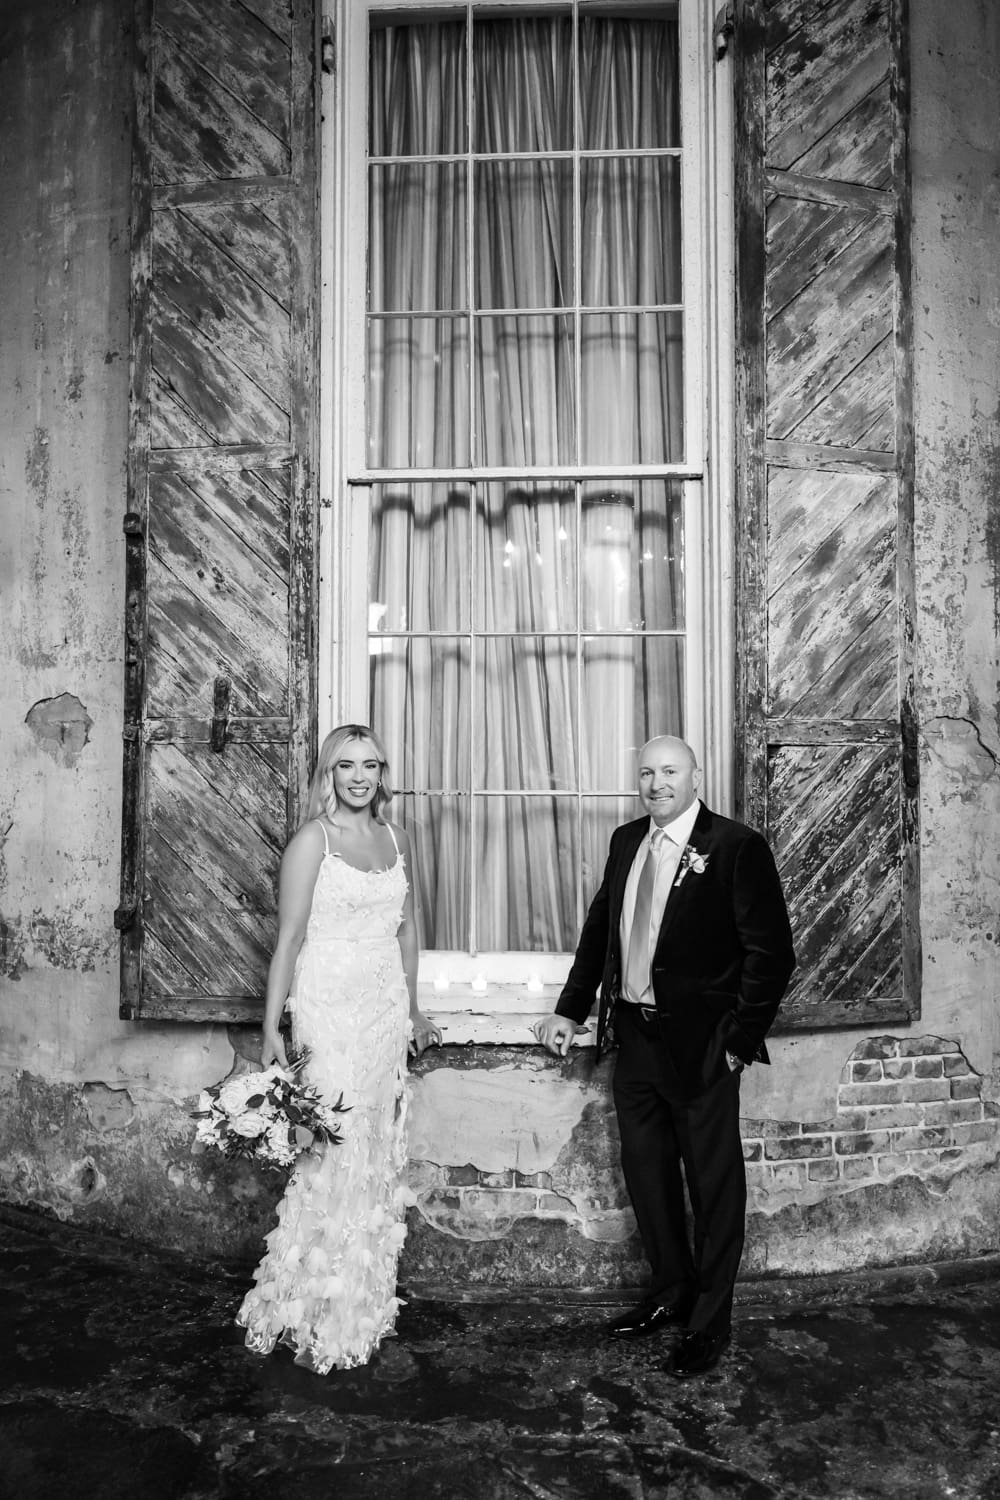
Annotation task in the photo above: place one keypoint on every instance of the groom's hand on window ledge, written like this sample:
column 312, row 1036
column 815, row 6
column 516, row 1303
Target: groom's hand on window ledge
column 556, row 1033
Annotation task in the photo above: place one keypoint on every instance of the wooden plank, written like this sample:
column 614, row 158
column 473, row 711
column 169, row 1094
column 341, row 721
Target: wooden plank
column 858, row 149
column 846, row 414
column 260, row 246
column 803, row 237
column 223, row 951
column 829, row 731
column 235, row 458
column 265, row 193
column 838, row 194
column 229, row 405
column 229, row 308
column 275, row 14
column 829, row 600
column 806, row 508
column 750, row 496
column 860, row 682
column 818, row 74
column 244, row 56
column 171, row 425
column 259, row 730
column 197, row 134
column 828, row 329
column 828, row 457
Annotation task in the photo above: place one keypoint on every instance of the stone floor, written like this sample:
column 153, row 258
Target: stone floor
column 121, row 1374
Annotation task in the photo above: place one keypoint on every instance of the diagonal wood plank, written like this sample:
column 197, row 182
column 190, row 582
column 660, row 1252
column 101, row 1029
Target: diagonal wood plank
column 197, row 134
column 231, row 407
column 242, row 54
column 819, row 73
column 846, row 414
column 858, row 148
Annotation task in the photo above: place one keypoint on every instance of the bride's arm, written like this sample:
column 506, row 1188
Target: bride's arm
column 299, row 867
column 424, row 1032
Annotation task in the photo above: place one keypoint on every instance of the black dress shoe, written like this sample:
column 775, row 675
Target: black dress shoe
column 697, row 1352
column 648, row 1317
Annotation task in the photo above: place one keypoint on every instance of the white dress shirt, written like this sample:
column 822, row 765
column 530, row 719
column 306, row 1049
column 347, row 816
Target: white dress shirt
column 677, row 835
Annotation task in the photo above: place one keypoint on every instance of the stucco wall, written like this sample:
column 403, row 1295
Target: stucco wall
column 862, row 1150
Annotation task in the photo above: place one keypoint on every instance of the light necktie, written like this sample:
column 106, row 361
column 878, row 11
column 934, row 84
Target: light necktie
column 637, row 965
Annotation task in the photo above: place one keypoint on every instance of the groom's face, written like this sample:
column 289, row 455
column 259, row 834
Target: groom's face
column 668, row 778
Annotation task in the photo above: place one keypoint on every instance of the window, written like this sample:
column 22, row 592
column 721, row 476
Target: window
column 527, row 536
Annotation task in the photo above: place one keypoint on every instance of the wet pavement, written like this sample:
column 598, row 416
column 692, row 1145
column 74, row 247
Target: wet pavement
column 121, row 1374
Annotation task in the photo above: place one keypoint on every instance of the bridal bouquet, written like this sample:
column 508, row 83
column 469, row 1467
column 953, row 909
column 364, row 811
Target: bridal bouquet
column 267, row 1117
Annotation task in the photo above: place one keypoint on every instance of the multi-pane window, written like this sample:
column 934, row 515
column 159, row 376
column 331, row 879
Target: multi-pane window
column 526, row 476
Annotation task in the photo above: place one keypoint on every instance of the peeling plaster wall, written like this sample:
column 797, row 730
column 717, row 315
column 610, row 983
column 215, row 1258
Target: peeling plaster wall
column 862, row 1149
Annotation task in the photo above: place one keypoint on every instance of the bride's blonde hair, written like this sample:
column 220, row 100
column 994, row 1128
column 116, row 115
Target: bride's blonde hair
column 322, row 792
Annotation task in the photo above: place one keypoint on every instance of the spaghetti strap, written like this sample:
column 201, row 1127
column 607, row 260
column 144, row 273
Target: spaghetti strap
column 326, row 837
column 393, row 837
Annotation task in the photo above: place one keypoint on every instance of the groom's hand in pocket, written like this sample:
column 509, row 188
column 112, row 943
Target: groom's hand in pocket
column 556, row 1033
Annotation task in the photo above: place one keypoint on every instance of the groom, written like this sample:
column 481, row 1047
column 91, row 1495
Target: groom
column 689, row 941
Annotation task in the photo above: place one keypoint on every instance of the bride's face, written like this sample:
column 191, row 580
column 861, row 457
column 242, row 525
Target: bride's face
column 356, row 774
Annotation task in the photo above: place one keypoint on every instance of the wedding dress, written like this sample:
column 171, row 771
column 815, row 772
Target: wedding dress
column 327, row 1283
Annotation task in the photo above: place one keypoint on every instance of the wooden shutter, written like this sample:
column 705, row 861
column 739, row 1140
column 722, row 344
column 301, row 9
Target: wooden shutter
column 824, row 493
column 220, row 534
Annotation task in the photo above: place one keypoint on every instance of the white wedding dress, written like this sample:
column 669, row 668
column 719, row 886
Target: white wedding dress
column 327, row 1284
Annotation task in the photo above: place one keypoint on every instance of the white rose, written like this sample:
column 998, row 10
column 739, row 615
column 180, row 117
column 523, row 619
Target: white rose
column 250, row 1125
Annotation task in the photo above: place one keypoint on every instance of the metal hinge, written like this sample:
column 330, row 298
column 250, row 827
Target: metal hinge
column 220, row 714
column 724, row 29
column 327, row 47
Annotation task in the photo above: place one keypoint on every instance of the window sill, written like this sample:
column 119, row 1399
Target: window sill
column 503, row 1017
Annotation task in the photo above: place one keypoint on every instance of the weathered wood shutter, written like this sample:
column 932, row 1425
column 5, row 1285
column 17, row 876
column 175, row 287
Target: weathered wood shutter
column 827, row 729
column 220, row 534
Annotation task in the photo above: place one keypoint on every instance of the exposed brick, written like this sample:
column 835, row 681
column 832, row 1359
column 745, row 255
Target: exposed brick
column 991, row 1108
column 925, row 1089
column 554, row 1203
column 857, row 1166
column 752, row 1151
column 798, row 1148
column 924, row 1046
column 919, row 1140
column 956, row 1066
column 974, row 1133
column 851, row 1119
column 898, row 1067
column 872, row 1093
column 498, row 1200
column 864, row 1143
column 866, row 1072
column 889, row 1166
column 826, row 1127
column 788, row 1175
column 876, row 1046
column 772, row 1129
column 533, row 1179
column 503, row 1179
column 966, row 1088
column 951, row 1113
column 466, row 1176
column 823, row 1171
column 928, row 1067
column 895, row 1114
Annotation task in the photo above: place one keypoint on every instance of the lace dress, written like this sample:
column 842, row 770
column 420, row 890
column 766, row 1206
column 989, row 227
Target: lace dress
column 327, row 1283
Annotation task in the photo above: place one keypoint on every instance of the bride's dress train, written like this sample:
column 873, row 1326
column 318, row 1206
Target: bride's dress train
column 327, row 1283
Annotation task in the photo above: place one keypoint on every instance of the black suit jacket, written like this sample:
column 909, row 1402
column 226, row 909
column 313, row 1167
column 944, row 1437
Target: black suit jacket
column 723, row 957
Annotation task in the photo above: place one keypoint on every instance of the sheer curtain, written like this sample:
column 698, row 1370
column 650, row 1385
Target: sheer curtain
column 509, row 652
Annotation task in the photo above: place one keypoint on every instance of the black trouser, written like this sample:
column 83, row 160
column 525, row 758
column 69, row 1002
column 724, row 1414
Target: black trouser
column 661, row 1132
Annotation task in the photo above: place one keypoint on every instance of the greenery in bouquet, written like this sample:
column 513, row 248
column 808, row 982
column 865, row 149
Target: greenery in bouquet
column 269, row 1117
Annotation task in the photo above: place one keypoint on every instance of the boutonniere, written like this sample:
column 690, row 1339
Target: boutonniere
column 691, row 860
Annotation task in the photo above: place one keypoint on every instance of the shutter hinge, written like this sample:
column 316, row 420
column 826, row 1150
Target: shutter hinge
column 724, row 29
column 132, row 523
column 220, row 714
column 327, row 47
column 125, row 917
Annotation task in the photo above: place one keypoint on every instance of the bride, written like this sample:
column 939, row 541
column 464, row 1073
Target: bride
column 345, row 964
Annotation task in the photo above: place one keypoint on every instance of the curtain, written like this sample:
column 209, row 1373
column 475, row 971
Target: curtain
column 500, row 335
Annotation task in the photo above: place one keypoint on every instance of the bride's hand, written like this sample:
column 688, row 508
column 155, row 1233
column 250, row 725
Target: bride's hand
column 425, row 1034
column 272, row 1050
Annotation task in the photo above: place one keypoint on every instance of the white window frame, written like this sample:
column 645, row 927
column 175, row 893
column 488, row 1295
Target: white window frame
column 495, row 997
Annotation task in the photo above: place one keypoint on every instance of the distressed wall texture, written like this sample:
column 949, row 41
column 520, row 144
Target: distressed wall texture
column 864, row 1147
